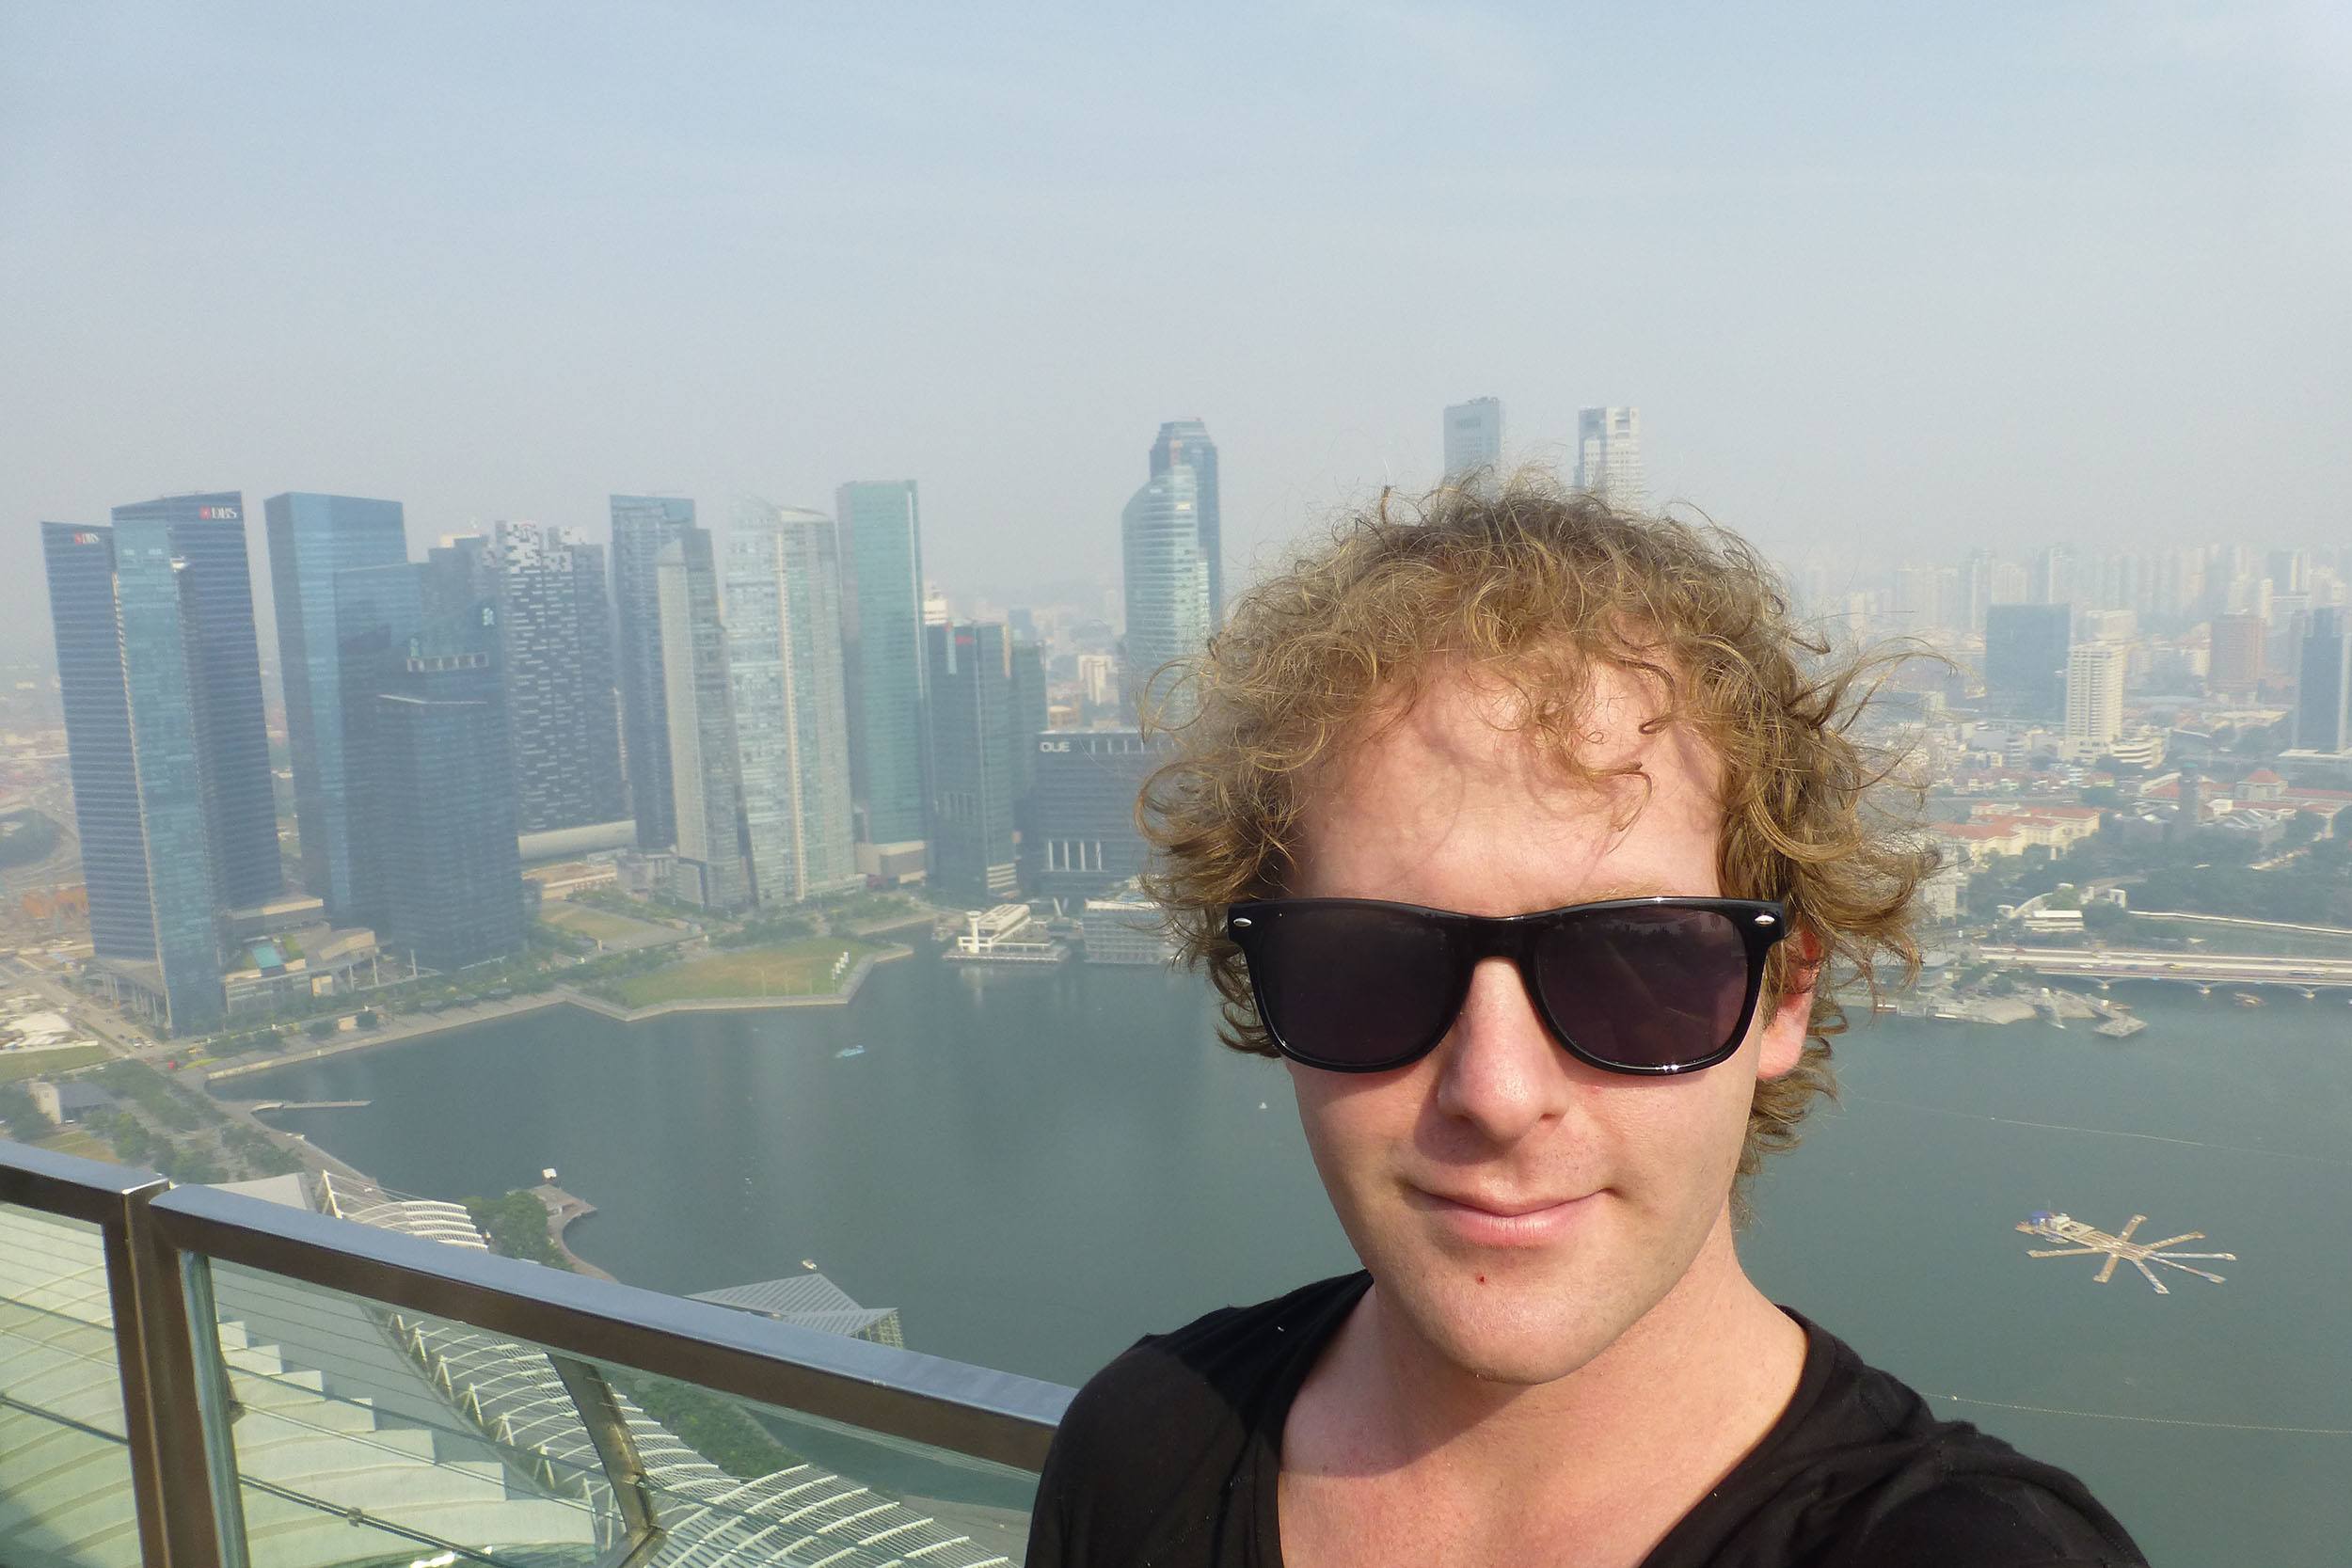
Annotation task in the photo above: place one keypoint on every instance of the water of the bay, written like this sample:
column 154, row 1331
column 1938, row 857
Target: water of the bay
column 1036, row 1167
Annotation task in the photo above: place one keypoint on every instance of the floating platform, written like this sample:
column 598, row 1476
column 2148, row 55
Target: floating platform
column 2085, row 1240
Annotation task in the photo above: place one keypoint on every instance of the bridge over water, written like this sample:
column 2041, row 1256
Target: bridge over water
column 2197, row 969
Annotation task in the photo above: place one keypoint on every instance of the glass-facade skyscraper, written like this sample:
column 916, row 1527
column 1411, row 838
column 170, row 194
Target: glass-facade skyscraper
column 2025, row 648
column 698, row 704
column 881, row 538
column 1473, row 439
column 1081, row 807
column 205, row 534
column 312, row 538
column 643, row 528
column 119, row 601
column 1186, row 441
column 2323, row 687
column 969, row 671
column 793, row 731
column 1167, row 593
column 434, row 866
column 561, row 710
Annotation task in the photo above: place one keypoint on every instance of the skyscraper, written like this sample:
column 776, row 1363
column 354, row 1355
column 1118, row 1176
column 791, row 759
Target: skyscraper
column 2025, row 659
column 378, row 610
column 1167, row 593
column 205, row 534
column 2236, row 661
column 122, row 608
column 1082, row 805
column 561, row 710
column 968, row 669
column 428, row 761
column 311, row 538
column 2095, row 698
column 698, row 703
column 2323, row 687
column 643, row 528
column 881, row 634
column 2054, row 574
column 1609, row 457
column 1024, row 671
column 792, row 733
column 1473, row 439
column 1186, row 441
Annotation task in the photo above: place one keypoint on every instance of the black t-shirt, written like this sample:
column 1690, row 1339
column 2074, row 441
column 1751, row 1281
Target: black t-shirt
column 1170, row 1456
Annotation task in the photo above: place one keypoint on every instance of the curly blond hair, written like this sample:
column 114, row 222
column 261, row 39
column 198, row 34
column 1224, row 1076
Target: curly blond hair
column 1532, row 587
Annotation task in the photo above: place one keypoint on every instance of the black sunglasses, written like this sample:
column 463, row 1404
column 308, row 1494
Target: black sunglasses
column 1633, row 985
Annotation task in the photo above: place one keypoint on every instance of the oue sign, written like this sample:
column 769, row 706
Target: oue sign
column 1053, row 745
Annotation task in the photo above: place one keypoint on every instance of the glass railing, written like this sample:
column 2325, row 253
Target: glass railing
column 198, row 1378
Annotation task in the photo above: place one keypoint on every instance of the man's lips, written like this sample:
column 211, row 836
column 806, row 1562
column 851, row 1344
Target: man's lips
column 1488, row 1219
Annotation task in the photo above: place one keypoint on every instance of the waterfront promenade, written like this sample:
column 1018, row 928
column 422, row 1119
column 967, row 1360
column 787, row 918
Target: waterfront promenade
column 465, row 1015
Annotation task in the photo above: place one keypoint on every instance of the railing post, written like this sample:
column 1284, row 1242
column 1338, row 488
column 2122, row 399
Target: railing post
column 132, row 1358
column 168, row 1451
column 608, row 1431
column 214, row 1408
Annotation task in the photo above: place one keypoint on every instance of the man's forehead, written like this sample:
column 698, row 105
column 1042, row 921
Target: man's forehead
column 1463, row 763
column 1466, row 722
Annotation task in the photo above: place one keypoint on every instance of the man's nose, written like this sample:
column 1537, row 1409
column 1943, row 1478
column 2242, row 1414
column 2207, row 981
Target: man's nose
column 1500, row 1069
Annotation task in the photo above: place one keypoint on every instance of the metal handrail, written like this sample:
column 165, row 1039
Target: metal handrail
column 972, row 1410
column 91, row 1191
column 950, row 1404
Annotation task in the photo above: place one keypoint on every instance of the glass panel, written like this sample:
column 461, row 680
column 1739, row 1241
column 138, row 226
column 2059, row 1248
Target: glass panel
column 808, row 1481
column 470, row 1442
column 65, row 1464
column 362, row 1437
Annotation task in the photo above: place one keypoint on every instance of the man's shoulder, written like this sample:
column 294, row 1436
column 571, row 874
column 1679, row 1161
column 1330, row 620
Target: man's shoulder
column 1861, row 1471
column 1159, row 1444
column 1215, row 1372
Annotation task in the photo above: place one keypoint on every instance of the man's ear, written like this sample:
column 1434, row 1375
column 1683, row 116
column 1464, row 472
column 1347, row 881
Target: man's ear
column 1782, row 1042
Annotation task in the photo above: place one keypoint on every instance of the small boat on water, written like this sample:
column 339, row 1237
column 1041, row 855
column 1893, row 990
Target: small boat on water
column 849, row 1051
column 2246, row 999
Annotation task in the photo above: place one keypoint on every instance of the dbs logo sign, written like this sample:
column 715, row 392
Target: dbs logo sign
column 217, row 514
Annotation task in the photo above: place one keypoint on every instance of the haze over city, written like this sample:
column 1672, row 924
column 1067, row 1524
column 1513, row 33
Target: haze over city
column 1876, row 280
column 588, row 597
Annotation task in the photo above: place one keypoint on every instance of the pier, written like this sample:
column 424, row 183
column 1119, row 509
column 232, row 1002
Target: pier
column 563, row 1209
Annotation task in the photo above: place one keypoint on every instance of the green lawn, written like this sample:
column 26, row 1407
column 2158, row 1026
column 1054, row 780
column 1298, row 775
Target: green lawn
column 595, row 924
column 72, row 1140
column 41, row 1064
column 802, row 968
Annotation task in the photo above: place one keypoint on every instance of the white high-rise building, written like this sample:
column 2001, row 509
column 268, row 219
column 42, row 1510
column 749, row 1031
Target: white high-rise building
column 2095, row 698
column 1168, row 617
column 1609, row 457
column 704, row 770
column 791, row 716
column 1098, row 677
column 1473, row 440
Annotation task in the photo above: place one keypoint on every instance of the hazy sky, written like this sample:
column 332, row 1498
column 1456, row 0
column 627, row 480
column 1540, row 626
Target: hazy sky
column 1879, row 277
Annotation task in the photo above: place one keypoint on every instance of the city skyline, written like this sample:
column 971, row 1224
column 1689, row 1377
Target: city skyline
column 1940, row 321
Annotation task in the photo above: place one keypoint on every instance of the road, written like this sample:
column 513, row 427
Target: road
column 2201, row 967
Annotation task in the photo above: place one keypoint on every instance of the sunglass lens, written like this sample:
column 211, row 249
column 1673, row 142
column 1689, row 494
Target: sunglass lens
column 1645, row 987
column 1351, row 987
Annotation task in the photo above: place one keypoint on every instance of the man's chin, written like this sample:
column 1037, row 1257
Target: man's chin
column 1524, row 1332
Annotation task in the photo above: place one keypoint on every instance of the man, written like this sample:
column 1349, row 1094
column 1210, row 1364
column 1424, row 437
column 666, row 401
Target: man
column 1534, row 836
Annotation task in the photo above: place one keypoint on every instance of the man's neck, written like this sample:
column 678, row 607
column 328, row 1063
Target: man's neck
column 1667, row 1408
